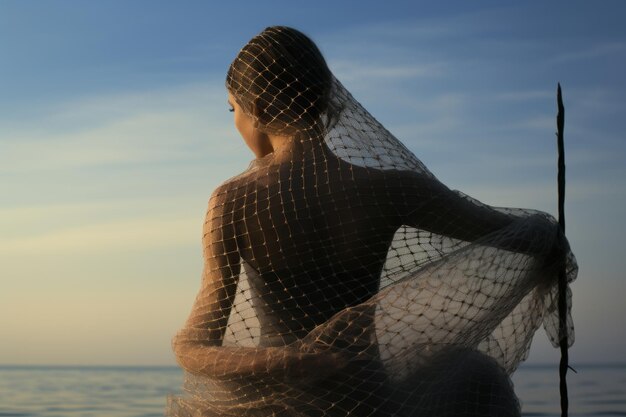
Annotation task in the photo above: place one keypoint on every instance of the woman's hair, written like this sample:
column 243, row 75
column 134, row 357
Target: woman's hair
column 281, row 79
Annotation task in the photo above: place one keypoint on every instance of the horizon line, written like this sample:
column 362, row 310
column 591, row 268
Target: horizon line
column 176, row 367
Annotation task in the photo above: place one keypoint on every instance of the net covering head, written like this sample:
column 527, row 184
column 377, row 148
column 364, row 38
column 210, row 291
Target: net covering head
column 281, row 79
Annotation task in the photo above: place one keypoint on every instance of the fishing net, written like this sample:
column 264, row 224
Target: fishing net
column 342, row 278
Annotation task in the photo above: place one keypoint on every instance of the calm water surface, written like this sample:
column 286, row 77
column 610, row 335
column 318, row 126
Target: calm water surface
column 595, row 391
column 86, row 391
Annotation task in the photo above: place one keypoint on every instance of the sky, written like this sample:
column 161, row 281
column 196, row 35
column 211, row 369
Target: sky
column 114, row 130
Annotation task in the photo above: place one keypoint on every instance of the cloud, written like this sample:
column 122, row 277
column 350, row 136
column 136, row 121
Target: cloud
column 126, row 129
column 591, row 52
column 522, row 95
column 119, row 235
column 353, row 71
column 146, row 232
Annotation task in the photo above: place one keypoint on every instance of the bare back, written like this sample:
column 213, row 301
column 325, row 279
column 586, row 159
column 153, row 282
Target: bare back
column 315, row 237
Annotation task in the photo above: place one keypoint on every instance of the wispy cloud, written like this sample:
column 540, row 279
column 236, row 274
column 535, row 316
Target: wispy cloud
column 516, row 96
column 131, row 128
column 591, row 52
column 144, row 232
column 351, row 71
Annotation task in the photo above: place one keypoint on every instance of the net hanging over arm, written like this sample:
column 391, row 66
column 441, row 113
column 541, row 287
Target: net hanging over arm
column 342, row 278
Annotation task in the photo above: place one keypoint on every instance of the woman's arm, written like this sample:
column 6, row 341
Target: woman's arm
column 212, row 306
column 224, row 362
column 434, row 207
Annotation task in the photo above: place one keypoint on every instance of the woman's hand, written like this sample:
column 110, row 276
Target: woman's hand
column 556, row 259
column 294, row 365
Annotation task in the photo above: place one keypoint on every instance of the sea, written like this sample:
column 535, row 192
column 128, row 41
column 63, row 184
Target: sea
column 66, row 391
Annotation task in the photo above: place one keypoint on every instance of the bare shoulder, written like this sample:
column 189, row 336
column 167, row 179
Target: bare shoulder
column 232, row 190
column 221, row 205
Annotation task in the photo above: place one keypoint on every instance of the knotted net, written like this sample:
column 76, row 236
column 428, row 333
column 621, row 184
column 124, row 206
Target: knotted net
column 342, row 278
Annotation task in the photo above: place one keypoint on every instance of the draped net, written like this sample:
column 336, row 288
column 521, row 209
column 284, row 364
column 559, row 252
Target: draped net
column 342, row 278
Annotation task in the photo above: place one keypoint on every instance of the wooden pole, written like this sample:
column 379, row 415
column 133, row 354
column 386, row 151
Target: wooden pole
column 560, row 123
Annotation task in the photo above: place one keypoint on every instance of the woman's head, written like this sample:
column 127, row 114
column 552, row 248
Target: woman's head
column 281, row 79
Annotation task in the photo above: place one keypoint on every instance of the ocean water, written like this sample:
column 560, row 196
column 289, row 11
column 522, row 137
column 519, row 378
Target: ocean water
column 595, row 391
column 86, row 391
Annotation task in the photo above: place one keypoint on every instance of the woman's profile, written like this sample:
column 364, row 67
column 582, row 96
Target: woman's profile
column 341, row 277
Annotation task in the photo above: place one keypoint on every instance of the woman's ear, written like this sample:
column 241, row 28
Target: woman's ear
column 256, row 112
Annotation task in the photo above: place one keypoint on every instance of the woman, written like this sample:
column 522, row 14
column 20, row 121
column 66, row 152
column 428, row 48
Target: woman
column 371, row 288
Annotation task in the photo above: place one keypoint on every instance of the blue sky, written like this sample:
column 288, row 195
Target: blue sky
column 114, row 130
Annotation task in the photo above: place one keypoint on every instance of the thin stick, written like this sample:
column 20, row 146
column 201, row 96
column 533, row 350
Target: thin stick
column 560, row 122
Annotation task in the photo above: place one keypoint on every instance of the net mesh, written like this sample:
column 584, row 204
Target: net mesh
column 342, row 278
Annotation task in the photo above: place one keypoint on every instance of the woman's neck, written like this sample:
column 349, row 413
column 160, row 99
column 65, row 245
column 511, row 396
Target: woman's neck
column 281, row 144
column 287, row 148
